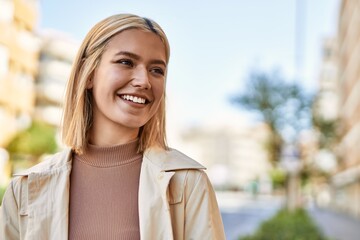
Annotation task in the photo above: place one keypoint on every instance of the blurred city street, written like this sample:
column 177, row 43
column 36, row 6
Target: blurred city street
column 242, row 214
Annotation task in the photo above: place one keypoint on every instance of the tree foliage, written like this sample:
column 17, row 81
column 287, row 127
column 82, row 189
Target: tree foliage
column 283, row 105
column 38, row 139
column 294, row 225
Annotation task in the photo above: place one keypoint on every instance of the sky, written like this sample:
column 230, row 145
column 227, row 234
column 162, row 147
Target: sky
column 215, row 44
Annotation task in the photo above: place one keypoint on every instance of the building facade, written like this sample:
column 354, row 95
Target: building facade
column 347, row 180
column 327, row 102
column 19, row 49
column 235, row 154
column 57, row 54
column 34, row 68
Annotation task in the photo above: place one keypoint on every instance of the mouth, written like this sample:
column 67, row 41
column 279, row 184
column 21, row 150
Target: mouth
column 134, row 99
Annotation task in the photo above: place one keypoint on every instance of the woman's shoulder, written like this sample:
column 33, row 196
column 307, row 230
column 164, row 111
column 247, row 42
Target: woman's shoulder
column 49, row 163
column 171, row 159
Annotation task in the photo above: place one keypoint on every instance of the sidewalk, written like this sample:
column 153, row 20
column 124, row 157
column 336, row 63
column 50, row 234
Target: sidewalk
column 336, row 226
column 242, row 214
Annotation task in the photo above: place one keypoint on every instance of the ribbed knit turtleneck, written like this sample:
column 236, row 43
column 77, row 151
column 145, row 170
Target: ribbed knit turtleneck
column 104, row 157
column 104, row 186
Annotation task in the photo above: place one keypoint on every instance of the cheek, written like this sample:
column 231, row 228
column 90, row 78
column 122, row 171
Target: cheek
column 159, row 89
column 104, row 87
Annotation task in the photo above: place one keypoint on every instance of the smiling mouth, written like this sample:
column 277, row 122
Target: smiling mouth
column 134, row 99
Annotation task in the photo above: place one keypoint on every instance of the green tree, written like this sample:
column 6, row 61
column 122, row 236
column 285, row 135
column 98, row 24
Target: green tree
column 296, row 225
column 30, row 144
column 282, row 105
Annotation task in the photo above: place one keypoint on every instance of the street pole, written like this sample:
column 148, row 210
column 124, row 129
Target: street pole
column 293, row 191
column 291, row 162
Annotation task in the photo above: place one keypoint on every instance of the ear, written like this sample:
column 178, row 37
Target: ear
column 90, row 83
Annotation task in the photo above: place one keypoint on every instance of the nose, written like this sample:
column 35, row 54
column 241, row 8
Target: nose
column 141, row 78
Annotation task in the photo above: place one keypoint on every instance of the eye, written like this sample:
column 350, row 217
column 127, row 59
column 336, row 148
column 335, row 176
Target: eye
column 126, row 62
column 158, row 70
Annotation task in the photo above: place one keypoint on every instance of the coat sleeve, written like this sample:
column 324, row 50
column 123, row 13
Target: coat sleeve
column 9, row 225
column 202, row 215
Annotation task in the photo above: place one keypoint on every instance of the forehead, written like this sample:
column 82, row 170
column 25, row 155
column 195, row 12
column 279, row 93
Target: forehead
column 137, row 41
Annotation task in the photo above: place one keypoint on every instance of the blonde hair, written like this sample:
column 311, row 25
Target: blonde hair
column 77, row 115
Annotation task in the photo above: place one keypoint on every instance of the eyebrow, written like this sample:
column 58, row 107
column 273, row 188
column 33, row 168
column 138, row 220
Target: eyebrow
column 137, row 57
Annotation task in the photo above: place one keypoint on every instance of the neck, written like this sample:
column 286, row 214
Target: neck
column 102, row 136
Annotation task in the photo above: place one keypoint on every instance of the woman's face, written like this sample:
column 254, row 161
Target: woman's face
column 128, row 85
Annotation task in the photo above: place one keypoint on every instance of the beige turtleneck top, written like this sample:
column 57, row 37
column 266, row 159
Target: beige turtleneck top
column 104, row 184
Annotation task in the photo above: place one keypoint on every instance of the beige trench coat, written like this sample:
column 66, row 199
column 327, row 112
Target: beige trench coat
column 176, row 200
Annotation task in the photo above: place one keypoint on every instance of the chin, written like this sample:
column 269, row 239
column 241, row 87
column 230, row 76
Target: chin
column 133, row 124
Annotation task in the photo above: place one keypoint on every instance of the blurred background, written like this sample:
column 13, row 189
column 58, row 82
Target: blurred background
column 264, row 93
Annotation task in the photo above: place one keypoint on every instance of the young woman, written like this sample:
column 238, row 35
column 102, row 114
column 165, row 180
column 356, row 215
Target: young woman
column 118, row 179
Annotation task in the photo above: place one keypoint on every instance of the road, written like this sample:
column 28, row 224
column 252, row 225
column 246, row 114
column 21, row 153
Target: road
column 242, row 214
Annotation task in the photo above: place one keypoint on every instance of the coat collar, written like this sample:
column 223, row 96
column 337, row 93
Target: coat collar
column 50, row 164
column 170, row 160
column 164, row 161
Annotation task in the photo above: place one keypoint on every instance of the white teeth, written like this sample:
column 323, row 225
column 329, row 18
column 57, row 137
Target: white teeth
column 134, row 99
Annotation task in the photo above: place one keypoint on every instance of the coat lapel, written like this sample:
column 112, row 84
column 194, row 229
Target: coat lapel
column 153, row 205
column 157, row 169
